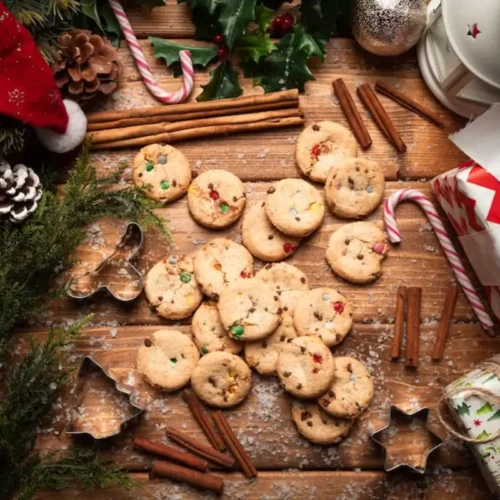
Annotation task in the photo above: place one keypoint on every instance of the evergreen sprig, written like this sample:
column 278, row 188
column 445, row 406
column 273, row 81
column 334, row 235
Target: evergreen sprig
column 36, row 253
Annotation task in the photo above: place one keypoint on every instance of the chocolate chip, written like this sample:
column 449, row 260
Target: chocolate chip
column 331, row 394
column 286, row 374
column 357, row 169
column 270, row 237
column 213, row 381
column 276, row 298
column 302, row 349
column 299, row 386
column 160, row 299
column 315, row 128
column 235, row 198
column 349, row 367
column 324, row 402
column 305, row 415
column 264, row 344
column 268, row 266
column 174, row 183
column 280, row 311
column 148, row 342
column 194, row 174
column 318, row 315
column 282, row 338
column 297, row 219
column 324, row 421
column 302, row 280
column 338, row 337
column 346, row 242
column 140, row 174
column 360, row 257
column 263, row 204
column 210, row 186
column 271, row 190
column 285, row 309
column 309, row 423
column 216, row 297
column 289, row 340
column 251, row 310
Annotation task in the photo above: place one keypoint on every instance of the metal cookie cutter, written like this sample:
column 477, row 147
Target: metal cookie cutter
column 411, row 450
column 103, row 406
column 115, row 274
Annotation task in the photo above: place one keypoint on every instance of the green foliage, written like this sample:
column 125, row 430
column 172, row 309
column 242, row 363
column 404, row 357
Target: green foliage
column 463, row 409
column 12, row 136
column 263, row 17
column 485, row 409
column 495, row 416
column 223, row 83
column 205, row 17
column 483, row 435
column 234, row 18
column 163, row 49
column 253, row 46
column 34, row 254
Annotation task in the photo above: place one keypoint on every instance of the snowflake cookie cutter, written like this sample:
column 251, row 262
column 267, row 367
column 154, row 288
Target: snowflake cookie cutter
column 103, row 406
column 127, row 249
column 413, row 457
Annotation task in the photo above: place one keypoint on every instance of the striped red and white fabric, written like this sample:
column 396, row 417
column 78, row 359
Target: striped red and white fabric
column 143, row 67
column 446, row 244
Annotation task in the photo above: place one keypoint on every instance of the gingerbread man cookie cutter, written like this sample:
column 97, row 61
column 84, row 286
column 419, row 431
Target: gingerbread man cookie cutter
column 115, row 274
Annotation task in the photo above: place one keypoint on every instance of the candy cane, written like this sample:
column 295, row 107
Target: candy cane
column 446, row 244
column 143, row 67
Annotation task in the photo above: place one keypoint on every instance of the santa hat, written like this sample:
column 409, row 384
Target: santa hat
column 28, row 92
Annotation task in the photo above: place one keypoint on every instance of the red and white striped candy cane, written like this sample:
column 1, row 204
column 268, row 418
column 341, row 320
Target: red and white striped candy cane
column 143, row 67
column 446, row 244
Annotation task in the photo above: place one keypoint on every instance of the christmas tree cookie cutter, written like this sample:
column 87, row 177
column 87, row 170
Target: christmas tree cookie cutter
column 115, row 274
column 103, row 405
column 406, row 446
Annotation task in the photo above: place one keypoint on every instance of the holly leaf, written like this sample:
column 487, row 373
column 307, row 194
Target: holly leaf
column 254, row 46
column 495, row 416
column 463, row 409
column 285, row 68
column 89, row 9
column 223, row 83
column 263, row 17
column 234, row 18
column 486, row 408
column 483, row 435
column 205, row 17
column 163, row 49
column 109, row 23
column 319, row 17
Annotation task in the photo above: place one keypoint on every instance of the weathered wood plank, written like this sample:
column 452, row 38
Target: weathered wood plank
column 417, row 261
column 272, row 155
column 263, row 422
column 362, row 485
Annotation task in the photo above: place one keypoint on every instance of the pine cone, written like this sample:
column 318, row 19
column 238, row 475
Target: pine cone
column 88, row 65
column 20, row 190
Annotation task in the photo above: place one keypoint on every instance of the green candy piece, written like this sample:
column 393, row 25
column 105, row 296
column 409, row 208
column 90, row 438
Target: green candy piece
column 174, row 360
column 149, row 165
column 237, row 330
column 204, row 350
column 185, row 277
column 224, row 208
column 164, row 185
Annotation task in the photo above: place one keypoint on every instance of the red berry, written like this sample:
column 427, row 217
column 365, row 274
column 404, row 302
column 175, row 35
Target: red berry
column 316, row 150
column 338, row 307
column 288, row 248
column 317, row 358
column 286, row 23
column 222, row 52
column 218, row 39
column 277, row 21
column 214, row 195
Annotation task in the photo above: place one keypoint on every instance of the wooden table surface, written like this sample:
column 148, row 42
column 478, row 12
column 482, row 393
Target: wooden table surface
column 291, row 467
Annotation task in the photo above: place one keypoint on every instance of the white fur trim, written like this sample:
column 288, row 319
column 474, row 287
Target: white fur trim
column 75, row 131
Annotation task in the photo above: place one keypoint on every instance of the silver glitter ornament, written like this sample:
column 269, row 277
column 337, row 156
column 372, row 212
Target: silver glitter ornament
column 388, row 27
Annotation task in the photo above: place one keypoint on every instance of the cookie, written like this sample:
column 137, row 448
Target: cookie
column 162, row 172
column 321, row 146
column 294, row 207
column 249, row 309
column 220, row 262
column 262, row 239
column 171, row 288
column 221, row 379
column 305, row 367
column 287, row 281
column 323, row 312
column 263, row 354
column 351, row 391
column 354, row 187
column 167, row 360
column 208, row 333
column 318, row 426
column 216, row 199
column 355, row 252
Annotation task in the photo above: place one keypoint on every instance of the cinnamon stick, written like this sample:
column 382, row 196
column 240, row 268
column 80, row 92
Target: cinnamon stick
column 147, row 120
column 165, row 451
column 351, row 113
column 444, row 325
column 173, row 109
column 203, row 419
column 382, row 119
column 185, row 475
column 234, row 445
column 196, row 133
column 200, row 449
column 120, row 134
column 408, row 103
column 413, row 297
column 398, row 322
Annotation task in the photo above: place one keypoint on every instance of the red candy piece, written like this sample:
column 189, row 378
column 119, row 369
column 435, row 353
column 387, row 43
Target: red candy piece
column 288, row 248
column 243, row 274
column 214, row 195
column 338, row 307
column 317, row 358
column 316, row 150
column 379, row 248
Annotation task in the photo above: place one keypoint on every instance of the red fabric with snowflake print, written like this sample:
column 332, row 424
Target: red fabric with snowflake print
column 28, row 92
